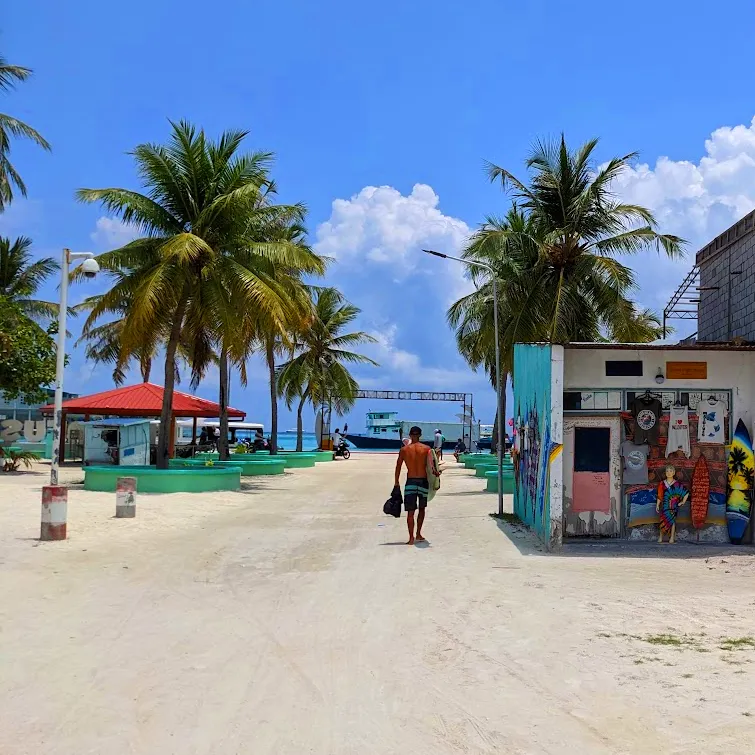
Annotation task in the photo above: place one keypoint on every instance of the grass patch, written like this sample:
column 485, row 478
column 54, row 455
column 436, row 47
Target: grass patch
column 687, row 676
column 747, row 713
column 508, row 518
column 737, row 643
column 638, row 662
column 666, row 639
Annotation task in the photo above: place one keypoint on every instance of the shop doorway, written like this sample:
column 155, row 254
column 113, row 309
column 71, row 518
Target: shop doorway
column 592, row 477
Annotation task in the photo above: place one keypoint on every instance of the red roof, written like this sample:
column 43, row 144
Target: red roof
column 142, row 400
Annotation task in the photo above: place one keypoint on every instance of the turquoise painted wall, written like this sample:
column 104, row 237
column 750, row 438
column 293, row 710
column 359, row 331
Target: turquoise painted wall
column 532, row 407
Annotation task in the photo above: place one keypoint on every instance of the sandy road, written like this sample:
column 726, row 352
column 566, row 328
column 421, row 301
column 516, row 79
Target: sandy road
column 290, row 618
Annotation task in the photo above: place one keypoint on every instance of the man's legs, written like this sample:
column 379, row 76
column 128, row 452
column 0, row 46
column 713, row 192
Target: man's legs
column 420, row 522
column 410, row 524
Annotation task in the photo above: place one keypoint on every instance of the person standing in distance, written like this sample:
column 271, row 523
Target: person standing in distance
column 415, row 491
column 438, row 444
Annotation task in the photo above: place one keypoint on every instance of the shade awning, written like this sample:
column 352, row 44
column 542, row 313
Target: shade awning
column 141, row 400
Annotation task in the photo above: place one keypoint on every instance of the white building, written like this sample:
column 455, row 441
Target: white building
column 573, row 410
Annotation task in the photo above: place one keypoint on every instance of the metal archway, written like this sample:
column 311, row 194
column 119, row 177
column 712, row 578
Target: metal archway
column 457, row 397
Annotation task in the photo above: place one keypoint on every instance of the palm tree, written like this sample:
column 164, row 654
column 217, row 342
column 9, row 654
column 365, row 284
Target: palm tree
column 20, row 278
column 554, row 256
column 275, row 337
column 640, row 326
column 318, row 371
column 103, row 344
column 200, row 218
column 9, row 127
column 578, row 228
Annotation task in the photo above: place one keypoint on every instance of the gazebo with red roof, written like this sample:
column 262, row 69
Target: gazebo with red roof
column 141, row 400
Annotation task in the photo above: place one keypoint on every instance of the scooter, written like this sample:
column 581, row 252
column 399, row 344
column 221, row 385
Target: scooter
column 342, row 450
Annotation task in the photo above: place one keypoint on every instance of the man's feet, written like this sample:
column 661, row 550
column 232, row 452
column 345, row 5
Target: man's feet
column 420, row 539
column 411, row 541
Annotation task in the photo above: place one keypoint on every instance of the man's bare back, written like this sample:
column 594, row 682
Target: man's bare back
column 415, row 457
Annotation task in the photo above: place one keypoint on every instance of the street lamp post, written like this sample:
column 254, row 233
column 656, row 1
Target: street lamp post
column 90, row 268
column 499, row 407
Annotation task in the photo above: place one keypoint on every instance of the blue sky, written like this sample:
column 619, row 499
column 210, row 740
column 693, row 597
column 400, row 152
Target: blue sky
column 387, row 110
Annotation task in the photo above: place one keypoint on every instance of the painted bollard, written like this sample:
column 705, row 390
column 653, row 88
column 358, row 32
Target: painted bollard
column 54, row 512
column 125, row 497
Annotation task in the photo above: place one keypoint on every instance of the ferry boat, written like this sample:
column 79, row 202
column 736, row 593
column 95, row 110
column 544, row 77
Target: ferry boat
column 384, row 431
column 486, row 437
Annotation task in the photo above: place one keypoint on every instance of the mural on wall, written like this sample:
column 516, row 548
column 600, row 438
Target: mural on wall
column 642, row 498
column 532, row 402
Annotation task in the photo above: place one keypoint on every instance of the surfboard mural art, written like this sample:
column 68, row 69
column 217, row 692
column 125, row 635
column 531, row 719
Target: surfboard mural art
column 700, row 495
column 741, row 472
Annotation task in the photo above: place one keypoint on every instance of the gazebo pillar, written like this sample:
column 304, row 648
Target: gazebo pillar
column 194, row 432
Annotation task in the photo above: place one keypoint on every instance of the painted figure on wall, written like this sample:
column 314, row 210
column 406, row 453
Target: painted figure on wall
column 670, row 496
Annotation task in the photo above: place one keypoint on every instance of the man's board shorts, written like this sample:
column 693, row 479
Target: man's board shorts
column 415, row 493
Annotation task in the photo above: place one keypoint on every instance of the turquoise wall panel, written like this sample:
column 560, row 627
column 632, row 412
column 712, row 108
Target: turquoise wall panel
column 532, row 408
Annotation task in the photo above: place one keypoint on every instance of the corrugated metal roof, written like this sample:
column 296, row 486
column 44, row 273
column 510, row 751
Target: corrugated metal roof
column 697, row 346
column 142, row 400
column 116, row 422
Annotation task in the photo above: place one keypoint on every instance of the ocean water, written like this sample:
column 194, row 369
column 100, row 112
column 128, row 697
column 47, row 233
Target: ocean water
column 287, row 442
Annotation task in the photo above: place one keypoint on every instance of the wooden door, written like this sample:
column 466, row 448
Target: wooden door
column 592, row 477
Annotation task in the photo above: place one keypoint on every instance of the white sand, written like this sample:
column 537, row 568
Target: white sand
column 286, row 619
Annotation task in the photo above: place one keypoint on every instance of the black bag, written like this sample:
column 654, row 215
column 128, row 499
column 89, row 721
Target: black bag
column 392, row 507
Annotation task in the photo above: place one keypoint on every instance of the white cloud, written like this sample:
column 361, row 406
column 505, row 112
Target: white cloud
column 694, row 200
column 399, row 364
column 698, row 200
column 381, row 226
column 22, row 218
column 111, row 233
column 85, row 373
column 389, row 355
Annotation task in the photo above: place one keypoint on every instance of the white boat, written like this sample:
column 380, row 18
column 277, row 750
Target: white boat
column 384, row 430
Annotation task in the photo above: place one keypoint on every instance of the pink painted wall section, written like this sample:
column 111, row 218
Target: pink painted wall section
column 591, row 492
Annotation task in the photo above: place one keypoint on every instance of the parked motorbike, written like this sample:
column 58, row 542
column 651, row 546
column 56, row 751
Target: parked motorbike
column 252, row 445
column 342, row 450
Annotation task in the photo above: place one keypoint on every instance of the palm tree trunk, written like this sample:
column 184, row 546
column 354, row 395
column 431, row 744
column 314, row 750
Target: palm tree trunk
column 223, row 401
column 270, row 355
column 146, row 368
column 494, row 438
column 299, row 423
column 166, row 425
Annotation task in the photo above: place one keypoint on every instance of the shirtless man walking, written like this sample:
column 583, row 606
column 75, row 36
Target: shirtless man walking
column 415, row 492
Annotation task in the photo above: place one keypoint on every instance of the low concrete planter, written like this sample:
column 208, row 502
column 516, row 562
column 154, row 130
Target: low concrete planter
column 249, row 467
column 199, row 479
column 473, row 460
column 299, row 460
column 318, row 456
column 492, row 481
column 481, row 469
